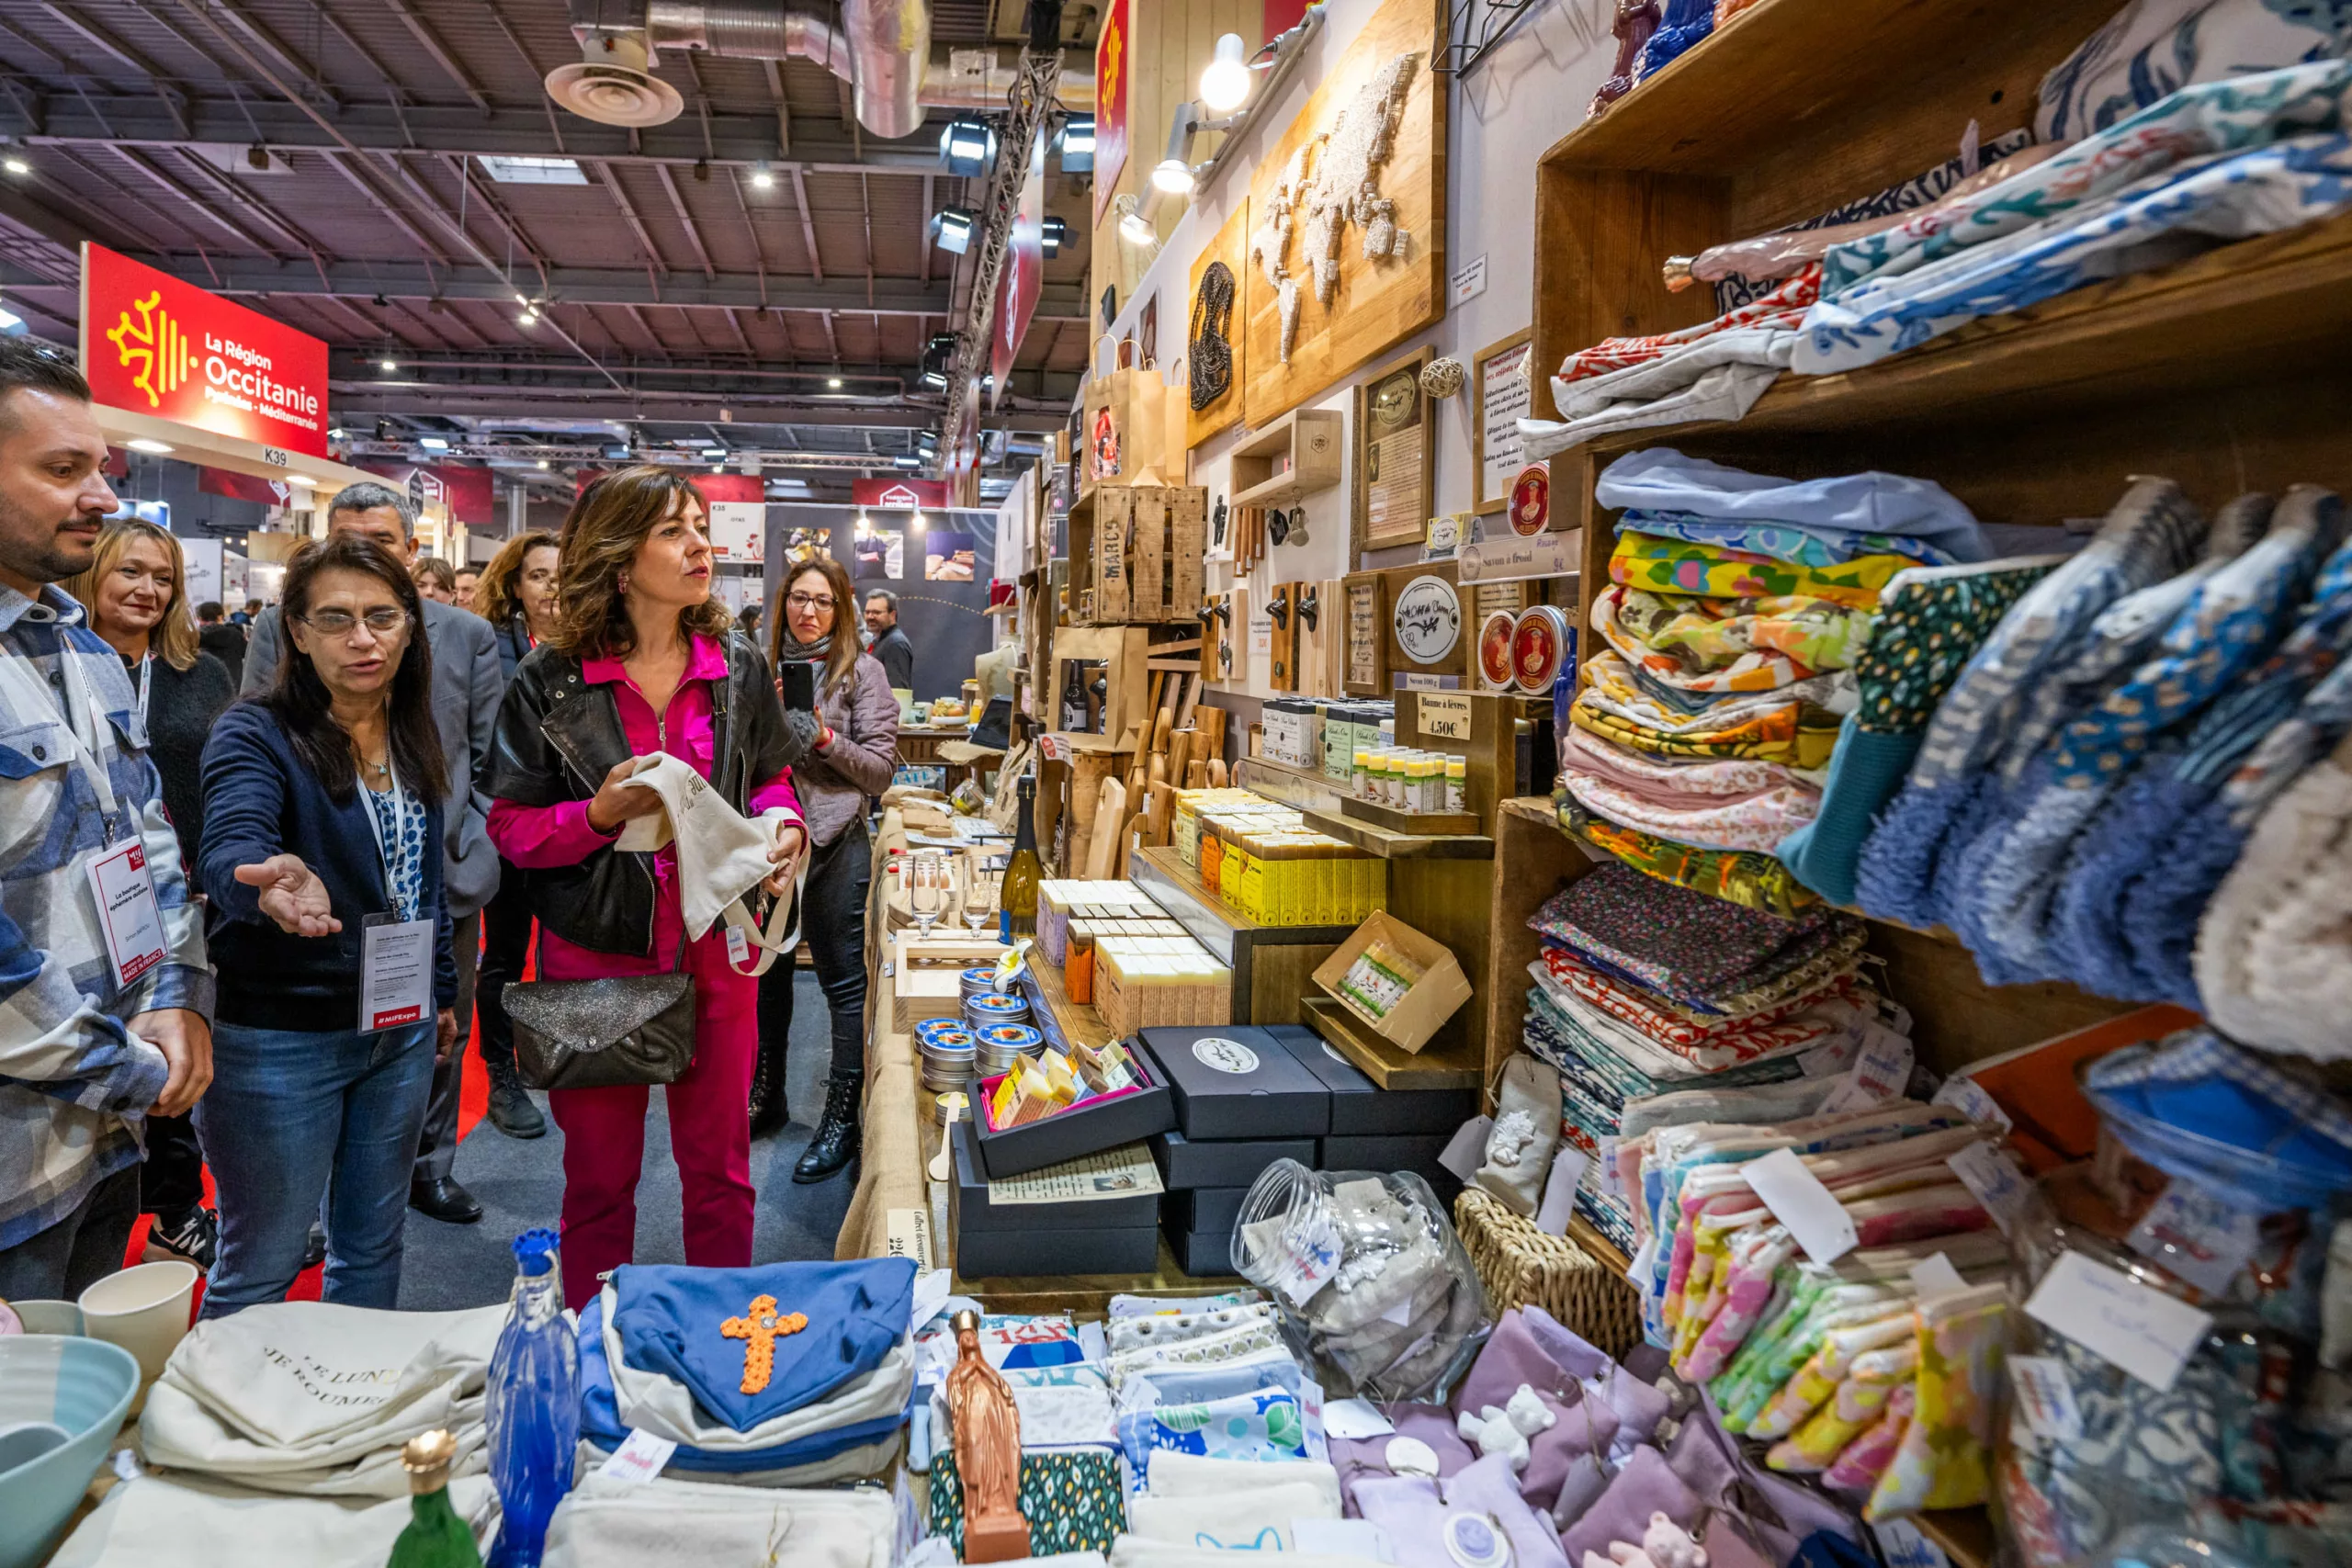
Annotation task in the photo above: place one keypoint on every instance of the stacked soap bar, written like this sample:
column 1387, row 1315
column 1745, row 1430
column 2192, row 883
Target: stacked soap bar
column 1189, row 806
column 1058, row 903
column 1036, row 1086
column 1140, row 980
column 1086, row 936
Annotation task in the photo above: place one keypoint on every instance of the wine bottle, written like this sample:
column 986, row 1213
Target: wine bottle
column 435, row 1536
column 1018, row 902
column 1074, row 698
column 532, row 1404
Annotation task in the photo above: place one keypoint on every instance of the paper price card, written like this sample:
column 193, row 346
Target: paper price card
column 1800, row 1202
column 1467, row 1150
column 1560, row 1191
column 1969, row 1097
column 2195, row 1237
column 2045, row 1397
column 1445, row 718
column 640, row 1458
column 1995, row 1179
column 2116, row 1317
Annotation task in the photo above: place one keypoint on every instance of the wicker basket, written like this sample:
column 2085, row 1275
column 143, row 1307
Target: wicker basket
column 1522, row 1266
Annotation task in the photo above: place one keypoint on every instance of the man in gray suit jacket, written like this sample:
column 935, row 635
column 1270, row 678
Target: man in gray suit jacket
column 467, row 686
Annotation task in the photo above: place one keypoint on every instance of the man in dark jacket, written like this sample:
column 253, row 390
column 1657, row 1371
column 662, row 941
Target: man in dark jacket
column 889, row 644
column 218, row 639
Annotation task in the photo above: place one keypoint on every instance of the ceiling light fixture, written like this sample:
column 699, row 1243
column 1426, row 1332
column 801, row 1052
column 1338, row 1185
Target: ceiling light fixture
column 1225, row 86
column 18, row 166
column 1077, row 144
column 390, row 364
column 432, row 443
column 916, row 522
column 951, row 229
column 1052, row 236
column 833, row 383
column 543, row 462
column 142, row 444
column 763, row 178
column 529, row 318
column 966, row 147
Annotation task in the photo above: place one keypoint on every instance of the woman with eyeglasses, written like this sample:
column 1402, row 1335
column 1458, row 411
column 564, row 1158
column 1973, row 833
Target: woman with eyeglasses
column 853, row 727
column 330, row 933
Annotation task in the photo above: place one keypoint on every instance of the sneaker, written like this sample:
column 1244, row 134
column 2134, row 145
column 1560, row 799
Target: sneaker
column 314, row 1251
column 190, row 1234
column 513, row 1113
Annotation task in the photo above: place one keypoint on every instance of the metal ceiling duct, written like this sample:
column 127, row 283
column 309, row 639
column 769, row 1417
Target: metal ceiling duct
column 882, row 50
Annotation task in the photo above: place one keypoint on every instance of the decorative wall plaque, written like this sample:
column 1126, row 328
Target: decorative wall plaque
column 1428, row 619
column 1393, row 461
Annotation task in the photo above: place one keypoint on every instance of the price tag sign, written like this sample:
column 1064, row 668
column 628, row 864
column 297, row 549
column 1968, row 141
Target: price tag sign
column 1444, row 717
column 1995, row 1180
column 1466, row 1151
column 1560, row 1191
column 640, row 1458
column 1881, row 1074
column 1800, row 1202
column 1969, row 1097
column 2046, row 1397
column 2117, row 1318
column 2195, row 1237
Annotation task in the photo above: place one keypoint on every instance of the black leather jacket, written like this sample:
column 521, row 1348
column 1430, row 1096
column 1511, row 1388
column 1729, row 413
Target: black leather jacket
column 558, row 736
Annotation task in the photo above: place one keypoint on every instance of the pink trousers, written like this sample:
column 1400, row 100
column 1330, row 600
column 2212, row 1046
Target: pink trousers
column 710, row 1133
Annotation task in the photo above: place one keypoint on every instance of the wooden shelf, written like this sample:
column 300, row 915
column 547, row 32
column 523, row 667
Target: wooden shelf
column 1460, row 1065
column 1076, row 1022
column 1375, row 839
column 1308, row 438
column 1423, row 824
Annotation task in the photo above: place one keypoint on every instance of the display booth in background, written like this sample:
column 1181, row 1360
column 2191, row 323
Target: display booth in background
column 944, row 616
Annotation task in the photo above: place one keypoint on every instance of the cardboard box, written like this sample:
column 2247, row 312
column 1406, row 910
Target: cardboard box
column 1361, row 1107
column 1231, row 1162
column 1416, row 1017
column 1088, row 1127
column 1233, row 1081
column 972, row 1213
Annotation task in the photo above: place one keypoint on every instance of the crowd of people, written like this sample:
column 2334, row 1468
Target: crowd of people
column 266, row 872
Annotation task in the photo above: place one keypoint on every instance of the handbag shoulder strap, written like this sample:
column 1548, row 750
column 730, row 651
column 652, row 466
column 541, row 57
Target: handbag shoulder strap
column 538, row 951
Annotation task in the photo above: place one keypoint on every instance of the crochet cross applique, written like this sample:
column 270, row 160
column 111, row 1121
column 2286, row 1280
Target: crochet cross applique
column 760, row 1327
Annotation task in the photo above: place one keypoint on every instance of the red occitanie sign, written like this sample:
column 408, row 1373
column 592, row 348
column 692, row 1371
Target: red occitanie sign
column 156, row 345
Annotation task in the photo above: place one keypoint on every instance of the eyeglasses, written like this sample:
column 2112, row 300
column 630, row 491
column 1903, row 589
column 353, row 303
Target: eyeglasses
column 809, row 602
column 382, row 621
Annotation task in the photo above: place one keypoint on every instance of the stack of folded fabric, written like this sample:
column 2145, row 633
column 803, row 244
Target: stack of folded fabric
column 1643, row 988
column 677, row 1353
column 306, row 1397
column 190, row 1521
column 1740, row 606
column 610, row 1522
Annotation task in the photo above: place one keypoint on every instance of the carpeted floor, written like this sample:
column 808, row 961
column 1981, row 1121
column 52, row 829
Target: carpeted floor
column 520, row 1185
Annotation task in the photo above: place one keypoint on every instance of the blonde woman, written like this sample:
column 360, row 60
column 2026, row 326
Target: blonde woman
column 136, row 592
column 516, row 596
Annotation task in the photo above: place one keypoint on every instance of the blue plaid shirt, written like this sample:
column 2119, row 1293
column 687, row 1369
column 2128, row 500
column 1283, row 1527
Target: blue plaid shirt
column 75, row 1084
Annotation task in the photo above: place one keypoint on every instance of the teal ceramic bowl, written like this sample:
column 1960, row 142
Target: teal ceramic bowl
column 83, row 1385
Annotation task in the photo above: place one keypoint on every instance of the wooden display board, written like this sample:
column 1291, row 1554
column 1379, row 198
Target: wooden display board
column 1230, row 246
column 1401, row 587
column 1395, row 455
column 1377, row 304
column 1363, row 664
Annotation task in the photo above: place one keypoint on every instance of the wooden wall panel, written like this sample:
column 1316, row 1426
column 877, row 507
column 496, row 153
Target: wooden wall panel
column 1377, row 304
column 1230, row 246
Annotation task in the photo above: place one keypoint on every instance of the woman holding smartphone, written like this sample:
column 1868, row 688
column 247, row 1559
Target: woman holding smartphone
column 836, row 695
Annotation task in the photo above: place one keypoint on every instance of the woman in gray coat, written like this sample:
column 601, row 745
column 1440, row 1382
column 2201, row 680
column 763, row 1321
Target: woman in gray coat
column 855, row 729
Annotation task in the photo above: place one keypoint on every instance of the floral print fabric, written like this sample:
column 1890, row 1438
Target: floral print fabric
column 1728, row 805
column 1930, row 621
column 1729, row 645
column 1072, row 1502
column 1757, row 881
column 1788, row 726
column 1675, row 566
column 1685, row 946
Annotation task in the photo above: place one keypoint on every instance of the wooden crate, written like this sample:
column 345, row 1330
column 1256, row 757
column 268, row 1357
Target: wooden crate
column 1136, row 554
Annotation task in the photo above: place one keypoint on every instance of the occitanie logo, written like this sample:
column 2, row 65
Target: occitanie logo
column 157, row 346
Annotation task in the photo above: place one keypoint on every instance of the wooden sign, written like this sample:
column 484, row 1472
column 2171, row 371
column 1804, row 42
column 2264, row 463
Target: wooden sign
column 1366, row 634
column 1426, row 644
column 1231, row 248
column 1498, row 385
column 1394, row 456
column 1426, row 619
column 1445, row 716
column 1376, row 301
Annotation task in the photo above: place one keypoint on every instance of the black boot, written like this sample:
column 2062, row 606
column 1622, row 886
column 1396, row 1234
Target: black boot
column 512, row 1110
column 836, row 1142
column 769, row 1111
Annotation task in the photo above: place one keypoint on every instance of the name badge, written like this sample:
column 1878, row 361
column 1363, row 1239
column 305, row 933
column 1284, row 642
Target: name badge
column 395, row 973
column 129, row 916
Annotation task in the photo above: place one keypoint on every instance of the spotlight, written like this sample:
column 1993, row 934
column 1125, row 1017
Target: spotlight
column 258, row 156
column 763, row 178
column 833, row 383
column 934, row 378
column 966, row 147
column 432, row 443
column 863, row 525
column 529, row 318
column 1053, row 234
column 17, row 167
column 908, row 460
column 391, row 365
column 1077, row 144
column 543, row 462
column 140, row 443
column 522, row 300
column 301, row 481
column 1174, row 175
column 916, row 522
column 702, row 171
column 1225, row 86
column 951, row 229
column 714, row 454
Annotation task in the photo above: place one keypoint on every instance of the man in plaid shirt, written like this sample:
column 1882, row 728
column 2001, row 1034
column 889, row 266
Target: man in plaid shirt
column 84, row 1059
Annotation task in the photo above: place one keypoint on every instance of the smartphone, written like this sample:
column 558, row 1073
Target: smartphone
column 797, row 684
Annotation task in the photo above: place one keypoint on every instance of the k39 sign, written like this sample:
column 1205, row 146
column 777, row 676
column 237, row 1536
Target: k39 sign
column 156, row 345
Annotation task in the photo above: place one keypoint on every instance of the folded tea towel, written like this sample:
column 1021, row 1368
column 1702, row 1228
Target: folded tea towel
column 307, row 1397
column 1174, row 1474
column 188, row 1521
column 608, row 1523
column 1257, row 1519
column 1141, row 1551
column 1661, row 479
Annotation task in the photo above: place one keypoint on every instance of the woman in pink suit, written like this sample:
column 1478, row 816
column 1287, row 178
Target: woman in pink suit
column 642, row 660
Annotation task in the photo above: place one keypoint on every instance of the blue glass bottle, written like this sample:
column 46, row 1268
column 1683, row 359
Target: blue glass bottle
column 533, row 1404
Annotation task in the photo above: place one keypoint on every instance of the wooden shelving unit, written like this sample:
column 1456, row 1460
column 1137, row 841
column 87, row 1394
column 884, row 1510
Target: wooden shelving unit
column 2228, row 372
column 1390, row 844
column 1293, row 457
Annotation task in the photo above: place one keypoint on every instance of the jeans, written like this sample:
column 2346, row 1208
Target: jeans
column 436, row 1147
column 506, row 943
column 832, row 921
column 60, row 1263
column 293, row 1116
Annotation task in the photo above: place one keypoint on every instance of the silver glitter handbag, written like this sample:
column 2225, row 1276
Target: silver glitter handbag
column 603, row 1033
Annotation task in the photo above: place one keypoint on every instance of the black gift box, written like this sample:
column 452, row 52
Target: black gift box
column 1223, row 1163
column 1202, row 1253
column 1236, row 1081
column 1102, row 1235
column 1416, row 1152
column 1088, row 1127
column 1360, row 1107
column 1209, row 1210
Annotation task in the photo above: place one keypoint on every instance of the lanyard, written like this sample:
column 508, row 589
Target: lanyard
column 146, row 685
column 389, row 849
column 92, row 748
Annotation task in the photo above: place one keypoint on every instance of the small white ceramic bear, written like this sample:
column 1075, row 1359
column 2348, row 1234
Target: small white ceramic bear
column 1506, row 1430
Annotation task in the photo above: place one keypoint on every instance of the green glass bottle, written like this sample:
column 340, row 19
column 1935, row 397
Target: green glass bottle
column 1017, row 912
column 435, row 1536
